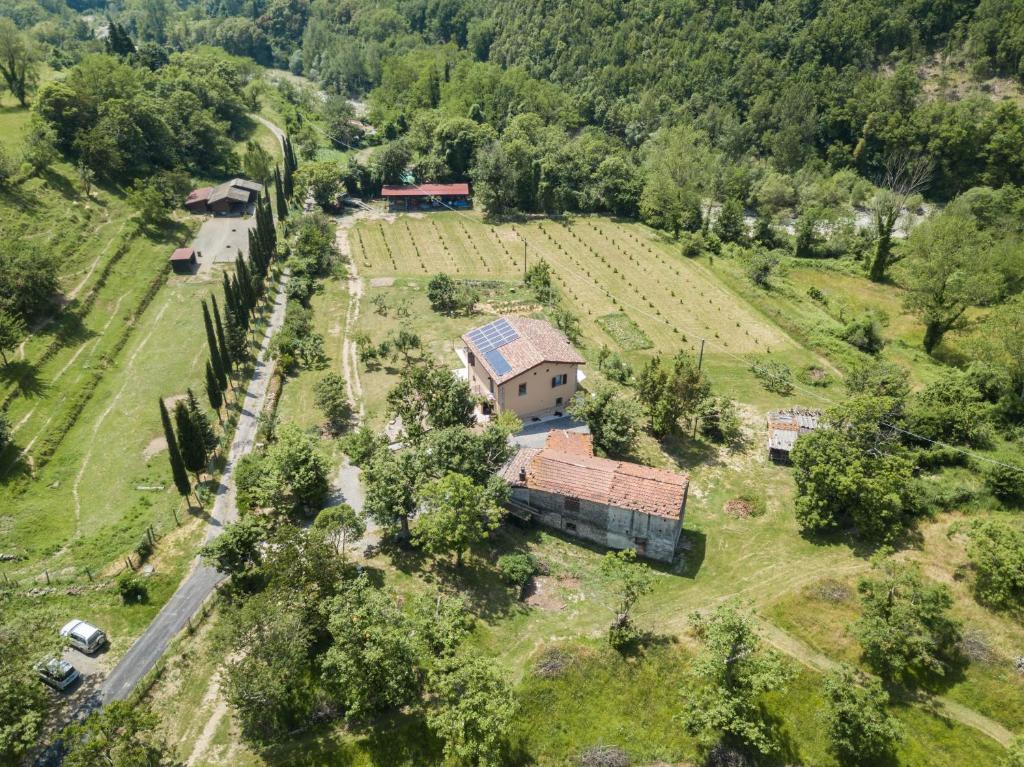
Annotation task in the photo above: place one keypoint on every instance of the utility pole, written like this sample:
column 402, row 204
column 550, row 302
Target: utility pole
column 524, row 259
column 700, row 359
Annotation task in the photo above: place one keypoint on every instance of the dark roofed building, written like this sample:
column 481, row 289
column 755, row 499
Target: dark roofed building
column 403, row 197
column 785, row 427
column 231, row 197
column 616, row 504
column 183, row 261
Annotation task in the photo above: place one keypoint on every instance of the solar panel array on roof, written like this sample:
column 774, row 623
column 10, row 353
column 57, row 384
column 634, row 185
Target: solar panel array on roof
column 493, row 335
column 497, row 362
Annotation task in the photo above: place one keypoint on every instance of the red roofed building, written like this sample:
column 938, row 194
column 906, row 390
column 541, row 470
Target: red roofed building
column 521, row 364
column 612, row 503
column 402, row 197
column 183, row 260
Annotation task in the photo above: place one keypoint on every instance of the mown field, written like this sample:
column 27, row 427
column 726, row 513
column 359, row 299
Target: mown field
column 607, row 269
column 87, row 473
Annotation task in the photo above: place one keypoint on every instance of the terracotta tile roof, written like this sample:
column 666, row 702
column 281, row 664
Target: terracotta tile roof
column 575, row 474
column 574, row 442
column 424, row 190
column 537, row 342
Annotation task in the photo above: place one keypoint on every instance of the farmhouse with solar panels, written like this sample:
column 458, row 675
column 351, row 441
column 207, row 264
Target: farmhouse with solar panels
column 616, row 504
column 521, row 365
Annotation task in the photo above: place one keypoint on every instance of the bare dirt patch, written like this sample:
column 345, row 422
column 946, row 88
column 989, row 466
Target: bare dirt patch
column 830, row 590
column 155, row 446
column 382, row 282
column 542, row 592
column 744, row 507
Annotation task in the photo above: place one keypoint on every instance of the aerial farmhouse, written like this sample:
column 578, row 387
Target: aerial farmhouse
column 521, row 365
column 230, row 198
column 612, row 503
column 785, row 427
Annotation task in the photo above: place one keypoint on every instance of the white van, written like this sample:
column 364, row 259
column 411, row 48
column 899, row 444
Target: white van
column 84, row 636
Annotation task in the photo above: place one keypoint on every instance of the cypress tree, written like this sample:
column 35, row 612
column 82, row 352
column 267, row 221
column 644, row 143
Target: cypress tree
column 178, row 471
column 201, row 424
column 287, row 182
column 190, row 442
column 242, row 315
column 213, row 392
column 255, row 247
column 225, row 354
column 230, row 299
column 282, row 203
column 211, row 340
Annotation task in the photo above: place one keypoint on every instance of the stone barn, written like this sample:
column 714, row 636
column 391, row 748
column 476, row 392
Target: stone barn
column 611, row 503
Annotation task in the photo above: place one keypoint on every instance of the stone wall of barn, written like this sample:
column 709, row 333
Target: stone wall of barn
column 652, row 536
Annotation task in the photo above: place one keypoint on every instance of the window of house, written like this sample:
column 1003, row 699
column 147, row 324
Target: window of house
column 472, row 359
column 522, row 389
column 559, row 380
column 558, row 400
column 571, row 504
column 570, row 527
column 490, row 381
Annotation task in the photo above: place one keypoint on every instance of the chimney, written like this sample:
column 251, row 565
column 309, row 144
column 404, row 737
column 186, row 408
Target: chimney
column 522, row 474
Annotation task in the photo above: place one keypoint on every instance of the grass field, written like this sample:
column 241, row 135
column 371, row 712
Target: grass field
column 87, row 473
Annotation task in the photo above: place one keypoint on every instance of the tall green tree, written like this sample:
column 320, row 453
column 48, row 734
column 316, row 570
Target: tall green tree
column 213, row 392
column 904, row 177
column 341, row 524
column 995, row 550
column 178, row 470
column 392, row 482
column 372, row 663
column 860, row 729
column 628, row 580
column 19, row 61
column 121, row 734
column 211, row 340
column 613, row 417
column 330, row 395
column 24, row 703
column 472, row 712
column 430, row 396
column 191, row 441
column 728, row 681
column 905, row 630
column 670, row 394
column 947, row 270
column 282, row 200
column 455, row 514
column 225, row 354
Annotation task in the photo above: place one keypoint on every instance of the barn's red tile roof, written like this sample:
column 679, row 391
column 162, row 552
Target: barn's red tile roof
column 182, row 254
column 198, row 195
column 573, row 442
column 535, row 342
column 424, row 190
column 563, row 468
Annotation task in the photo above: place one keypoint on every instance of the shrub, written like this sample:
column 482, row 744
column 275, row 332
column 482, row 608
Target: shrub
column 362, row 444
column 865, row 333
column 762, row 268
column 132, row 590
column 1005, row 483
column 774, row 376
column 719, row 421
column 517, row 569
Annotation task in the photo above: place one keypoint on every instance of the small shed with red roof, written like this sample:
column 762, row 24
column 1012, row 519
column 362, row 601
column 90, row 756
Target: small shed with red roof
column 616, row 504
column 403, row 197
column 184, row 261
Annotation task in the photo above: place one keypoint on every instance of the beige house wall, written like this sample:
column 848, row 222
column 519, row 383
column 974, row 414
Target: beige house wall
column 540, row 396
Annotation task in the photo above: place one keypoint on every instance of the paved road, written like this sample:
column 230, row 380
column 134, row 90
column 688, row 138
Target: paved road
column 201, row 581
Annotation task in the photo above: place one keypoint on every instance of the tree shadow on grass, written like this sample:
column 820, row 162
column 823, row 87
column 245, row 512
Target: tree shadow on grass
column 486, row 594
column 25, row 375
column 61, row 183
column 693, row 545
column 687, row 451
